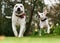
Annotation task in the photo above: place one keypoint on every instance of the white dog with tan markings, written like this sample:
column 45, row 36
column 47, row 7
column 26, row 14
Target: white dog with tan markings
column 18, row 19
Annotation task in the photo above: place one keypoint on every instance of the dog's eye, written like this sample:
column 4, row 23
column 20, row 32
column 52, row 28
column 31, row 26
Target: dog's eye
column 20, row 6
column 16, row 6
column 42, row 14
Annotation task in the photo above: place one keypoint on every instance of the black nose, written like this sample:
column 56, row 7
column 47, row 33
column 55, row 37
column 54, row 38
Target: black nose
column 18, row 9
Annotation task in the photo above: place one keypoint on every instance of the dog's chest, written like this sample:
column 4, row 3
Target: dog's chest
column 42, row 23
column 18, row 20
column 15, row 19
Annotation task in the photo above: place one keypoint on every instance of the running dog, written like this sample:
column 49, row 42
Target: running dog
column 44, row 22
column 18, row 19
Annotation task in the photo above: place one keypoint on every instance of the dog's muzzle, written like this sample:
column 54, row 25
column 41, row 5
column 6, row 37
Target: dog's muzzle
column 19, row 11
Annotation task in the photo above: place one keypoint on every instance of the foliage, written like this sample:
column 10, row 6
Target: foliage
column 56, row 30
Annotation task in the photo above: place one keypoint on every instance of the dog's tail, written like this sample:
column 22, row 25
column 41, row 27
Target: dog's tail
column 8, row 17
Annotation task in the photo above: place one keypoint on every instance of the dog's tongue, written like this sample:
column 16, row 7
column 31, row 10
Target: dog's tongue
column 22, row 16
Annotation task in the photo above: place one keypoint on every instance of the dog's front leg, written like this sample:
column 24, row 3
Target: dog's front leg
column 48, row 26
column 14, row 29
column 41, row 27
column 40, row 32
column 22, row 30
column 48, row 29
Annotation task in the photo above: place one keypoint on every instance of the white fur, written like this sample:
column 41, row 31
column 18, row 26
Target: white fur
column 44, row 23
column 18, row 21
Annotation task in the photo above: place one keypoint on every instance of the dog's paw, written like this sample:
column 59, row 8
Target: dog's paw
column 20, row 36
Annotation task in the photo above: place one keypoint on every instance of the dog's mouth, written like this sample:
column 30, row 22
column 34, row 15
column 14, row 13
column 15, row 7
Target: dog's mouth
column 19, row 12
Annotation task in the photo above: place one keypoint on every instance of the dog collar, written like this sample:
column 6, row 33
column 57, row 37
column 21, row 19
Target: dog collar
column 21, row 16
column 43, row 19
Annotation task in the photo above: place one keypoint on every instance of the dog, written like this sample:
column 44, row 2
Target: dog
column 18, row 19
column 44, row 22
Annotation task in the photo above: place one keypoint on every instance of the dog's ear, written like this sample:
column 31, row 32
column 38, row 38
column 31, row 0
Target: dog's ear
column 45, row 12
column 38, row 13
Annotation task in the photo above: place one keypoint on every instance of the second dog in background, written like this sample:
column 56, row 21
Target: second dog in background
column 44, row 21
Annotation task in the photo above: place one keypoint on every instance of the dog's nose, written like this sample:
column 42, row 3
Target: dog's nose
column 18, row 9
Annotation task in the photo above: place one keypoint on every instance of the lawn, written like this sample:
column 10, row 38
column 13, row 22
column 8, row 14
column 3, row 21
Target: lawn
column 45, row 39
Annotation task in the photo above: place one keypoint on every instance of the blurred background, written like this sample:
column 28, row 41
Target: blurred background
column 32, row 21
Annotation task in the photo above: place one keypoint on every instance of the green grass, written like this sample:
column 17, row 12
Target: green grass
column 45, row 39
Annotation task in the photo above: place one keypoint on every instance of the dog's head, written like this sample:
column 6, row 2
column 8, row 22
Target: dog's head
column 42, row 15
column 18, row 9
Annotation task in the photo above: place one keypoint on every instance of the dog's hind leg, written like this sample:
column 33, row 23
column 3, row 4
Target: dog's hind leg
column 14, row 30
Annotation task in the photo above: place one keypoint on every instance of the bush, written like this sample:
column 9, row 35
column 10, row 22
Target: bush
column 56, row 30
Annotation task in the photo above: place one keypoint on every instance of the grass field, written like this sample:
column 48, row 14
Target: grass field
column 45, row 39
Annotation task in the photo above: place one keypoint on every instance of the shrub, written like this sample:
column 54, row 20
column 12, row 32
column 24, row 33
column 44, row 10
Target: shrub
column 56, row 30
